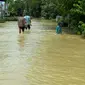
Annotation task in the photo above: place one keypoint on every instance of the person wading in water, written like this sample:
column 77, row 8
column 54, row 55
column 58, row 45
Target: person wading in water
column 59, row 28
column 28, row 21
column 21, row 23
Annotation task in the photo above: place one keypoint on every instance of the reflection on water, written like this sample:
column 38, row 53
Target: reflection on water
column 40, row 56
column 21, row 40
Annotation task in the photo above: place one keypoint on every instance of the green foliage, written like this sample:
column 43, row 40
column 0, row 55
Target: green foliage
column 32, row 7
column 83, row 34
column 2, row 20
column 11, row 18
column 78, row 14
column 49, row 9
column 81, row 27
column 41, row 8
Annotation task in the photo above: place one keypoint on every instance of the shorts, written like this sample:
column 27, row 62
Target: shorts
column 22, row 28
column 27, row 26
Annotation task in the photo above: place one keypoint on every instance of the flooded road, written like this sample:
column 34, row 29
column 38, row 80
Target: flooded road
column 40, row 56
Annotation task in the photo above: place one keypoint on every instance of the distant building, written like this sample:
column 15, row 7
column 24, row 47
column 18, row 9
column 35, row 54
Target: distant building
column 3, row 8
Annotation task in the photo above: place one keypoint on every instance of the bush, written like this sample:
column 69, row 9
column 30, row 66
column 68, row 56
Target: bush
column 73, row 25
column 83, row 34
column 8, row 19
column 81, row 28
column 11, row 18
column 2, row 20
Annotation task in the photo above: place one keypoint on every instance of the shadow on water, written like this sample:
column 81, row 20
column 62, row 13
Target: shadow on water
column 22, row 37
column 21, row 40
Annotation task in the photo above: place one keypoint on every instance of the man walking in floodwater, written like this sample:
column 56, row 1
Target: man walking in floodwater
column 59, row 29
column 21, row 23
column 28, row 21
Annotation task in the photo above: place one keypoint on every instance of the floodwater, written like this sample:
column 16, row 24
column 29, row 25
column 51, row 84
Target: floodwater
column 40, row 56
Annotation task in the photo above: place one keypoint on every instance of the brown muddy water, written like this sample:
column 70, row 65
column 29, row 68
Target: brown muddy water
column 40, row 56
